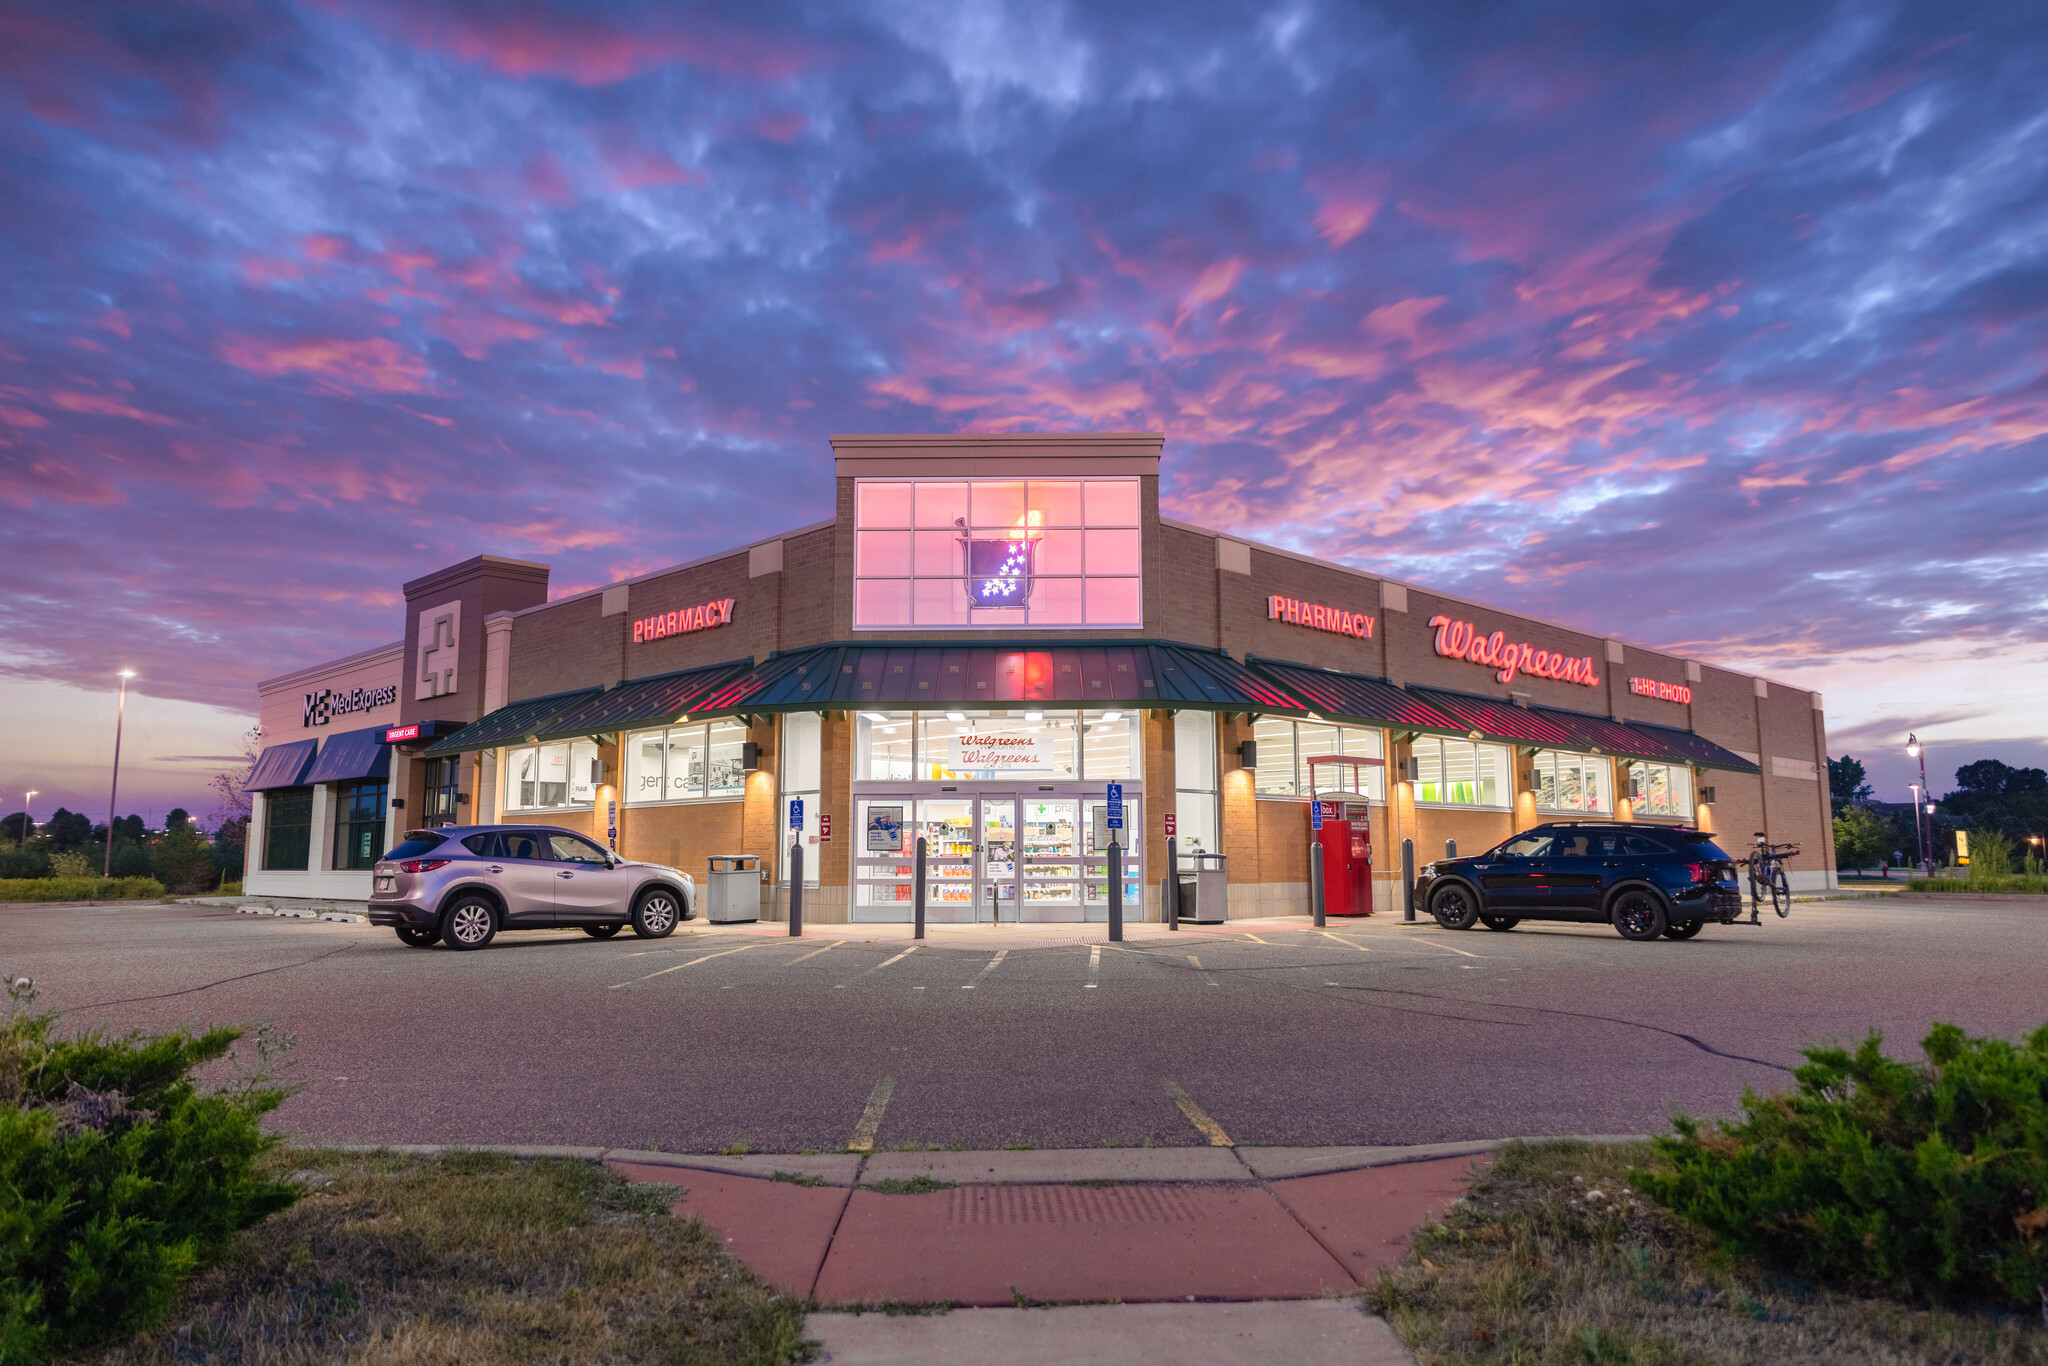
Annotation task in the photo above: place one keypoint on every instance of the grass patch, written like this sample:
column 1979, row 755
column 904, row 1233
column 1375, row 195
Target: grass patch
column 1553, row 1259
column 916, row 1185
column 473, row 1258
column 799, row 1179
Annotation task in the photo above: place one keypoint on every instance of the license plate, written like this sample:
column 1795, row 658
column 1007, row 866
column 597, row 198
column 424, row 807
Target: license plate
column 385, row 884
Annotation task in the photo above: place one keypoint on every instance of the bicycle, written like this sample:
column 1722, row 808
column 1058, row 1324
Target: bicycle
column 1766, row 866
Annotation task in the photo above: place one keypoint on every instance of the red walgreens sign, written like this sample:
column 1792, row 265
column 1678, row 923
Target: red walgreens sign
column 1461, row 640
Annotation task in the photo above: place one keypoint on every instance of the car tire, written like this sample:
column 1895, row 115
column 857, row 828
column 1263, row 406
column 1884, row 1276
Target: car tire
column 1500, row 922
column 419, row 938
column 1684, row 929
column 1638, row 914
column 1455, row 906
column 656, row 913
column 470, row 923
column 602, row 931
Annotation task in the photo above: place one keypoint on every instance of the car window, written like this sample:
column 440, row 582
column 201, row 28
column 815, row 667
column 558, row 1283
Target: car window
column 1525, row 846
column 526, row 844
column 574, row 849
column 481, row 845
column 417, row 843
column 1578, row 844
column 1643, row 844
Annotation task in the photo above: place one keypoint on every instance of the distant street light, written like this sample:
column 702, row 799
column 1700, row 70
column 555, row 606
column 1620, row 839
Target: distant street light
column 28, row 820
column 120, row 715
column 1921, row 798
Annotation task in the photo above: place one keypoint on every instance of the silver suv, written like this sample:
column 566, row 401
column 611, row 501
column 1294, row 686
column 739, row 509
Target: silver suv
column 459, row 885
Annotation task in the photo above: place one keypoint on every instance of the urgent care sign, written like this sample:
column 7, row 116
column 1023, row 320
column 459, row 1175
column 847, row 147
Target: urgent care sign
column 683, row 620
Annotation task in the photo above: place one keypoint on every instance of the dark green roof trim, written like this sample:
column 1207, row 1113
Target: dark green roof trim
column 637, row 702
column 515, row 723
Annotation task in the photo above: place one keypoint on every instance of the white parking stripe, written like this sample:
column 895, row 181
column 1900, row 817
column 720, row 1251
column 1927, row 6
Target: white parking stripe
column 1094, row 965
column 680, row 966
column 814, row 953
column 879, row 966
column 1001, row 954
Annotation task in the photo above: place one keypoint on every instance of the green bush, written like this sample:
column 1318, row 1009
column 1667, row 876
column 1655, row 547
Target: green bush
column 1878, row 1175
column 16, row 861
column 80, row 888
column 118, row 1177
column 2018, row 882
column 71, row 863
column 182, row 860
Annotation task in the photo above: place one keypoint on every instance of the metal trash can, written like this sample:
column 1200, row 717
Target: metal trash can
column 732, row 889
column 1205, row 889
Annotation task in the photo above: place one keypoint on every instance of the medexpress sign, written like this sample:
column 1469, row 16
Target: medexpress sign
column 323, row 706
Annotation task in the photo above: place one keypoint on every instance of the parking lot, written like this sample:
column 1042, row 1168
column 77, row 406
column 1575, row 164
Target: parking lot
column 1269, row 1033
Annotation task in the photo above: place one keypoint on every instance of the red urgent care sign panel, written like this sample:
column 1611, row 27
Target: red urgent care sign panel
column 397, row 733
column 1663, row 692
column 702, row 617
column 1461, row 640
column 1318, row 617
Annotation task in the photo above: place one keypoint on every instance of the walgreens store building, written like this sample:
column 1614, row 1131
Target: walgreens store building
column 988, row 633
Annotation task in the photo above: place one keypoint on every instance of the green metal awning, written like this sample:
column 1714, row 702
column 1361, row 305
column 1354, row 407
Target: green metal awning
column 897, row 675
column 1340, row 696
column 1697, row 749
column 638, row 702
column 516, row 723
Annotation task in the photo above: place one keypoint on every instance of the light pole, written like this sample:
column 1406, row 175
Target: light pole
column 120, row 715
column 1915, row 750
column 27, row 820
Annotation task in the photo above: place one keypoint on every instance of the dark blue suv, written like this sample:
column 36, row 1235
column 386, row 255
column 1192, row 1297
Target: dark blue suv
column 1644, row 880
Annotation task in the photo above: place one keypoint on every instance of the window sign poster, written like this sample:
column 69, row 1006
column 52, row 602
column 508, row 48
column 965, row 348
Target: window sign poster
column 885, row 829
column 1000, row 754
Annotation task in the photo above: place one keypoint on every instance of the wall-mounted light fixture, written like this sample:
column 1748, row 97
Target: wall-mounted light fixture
column 750, row 755
column 1248, row 753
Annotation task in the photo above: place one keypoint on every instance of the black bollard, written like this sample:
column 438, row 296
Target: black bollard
column 917, row 891
column 796, row 890
column 1408, row 881
column 1116, row 890
column 1171, row 910
column 1450, row 848
column 1315, row 880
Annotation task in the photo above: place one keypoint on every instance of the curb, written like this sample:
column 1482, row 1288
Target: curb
column 348, row 917
column 1251, row 1165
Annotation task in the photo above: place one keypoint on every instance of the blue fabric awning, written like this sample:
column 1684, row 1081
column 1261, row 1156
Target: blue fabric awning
column 351, row 755
column 281, row 766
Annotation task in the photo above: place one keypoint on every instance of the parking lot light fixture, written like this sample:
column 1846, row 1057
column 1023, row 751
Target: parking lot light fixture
column 114, row 786
column 1921, row 797
column 28, row 820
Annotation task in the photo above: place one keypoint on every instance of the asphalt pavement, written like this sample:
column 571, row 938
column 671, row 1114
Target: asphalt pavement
column 1374, row 1032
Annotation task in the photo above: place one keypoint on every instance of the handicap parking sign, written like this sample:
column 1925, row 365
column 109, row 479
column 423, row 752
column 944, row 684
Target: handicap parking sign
column 796, row 813
column 1116, row 806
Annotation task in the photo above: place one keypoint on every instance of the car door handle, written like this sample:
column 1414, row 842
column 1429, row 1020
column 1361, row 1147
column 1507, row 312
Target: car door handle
column 495, row 868
column 1612, row 863
column 565, row 873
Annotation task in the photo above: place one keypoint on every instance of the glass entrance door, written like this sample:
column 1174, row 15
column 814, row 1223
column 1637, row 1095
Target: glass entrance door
column 990, row 858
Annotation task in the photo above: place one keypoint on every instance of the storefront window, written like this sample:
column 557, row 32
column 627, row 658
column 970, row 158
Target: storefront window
column 1194, row 783
column 702, row 761
column 988, row 746
column 1459, row 773
column 359, row 823
column 1286, row 747
column 1572, row 782
column 996, row 553
column 551, row 777
column 803, row 768
column 1661, row 790
column 287, row 828
column 444, row 780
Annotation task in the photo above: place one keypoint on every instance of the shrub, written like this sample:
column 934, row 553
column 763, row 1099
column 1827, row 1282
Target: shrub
column 118, row 1176
column 182, row 860
column 229, row 888
column 19, row 862
column 71, row 863
column 81, row 889
column 1990, row 856
column 1883, row 1175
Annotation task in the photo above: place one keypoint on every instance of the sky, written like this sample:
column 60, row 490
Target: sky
column 1716, row 328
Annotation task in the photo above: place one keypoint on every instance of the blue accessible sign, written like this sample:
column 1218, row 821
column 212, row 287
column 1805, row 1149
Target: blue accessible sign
column 1315, row 815
column 796, row 813
column 1116, row 806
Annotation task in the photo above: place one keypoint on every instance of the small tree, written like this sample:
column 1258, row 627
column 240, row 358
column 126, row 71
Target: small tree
column 1846, row 786
column 182, row 860
column 230, row 785
column 1861, row 838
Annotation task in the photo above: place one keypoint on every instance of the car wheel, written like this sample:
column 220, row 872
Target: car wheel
column 1455, row 907
column 1638, row 914
column 656, row 913
column 1684, row 929
column 602, row 931
column 419, row 939
column 1500, row 922
column 470, row 923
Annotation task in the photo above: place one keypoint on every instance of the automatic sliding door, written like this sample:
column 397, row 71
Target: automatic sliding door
column 884, row 865
column 1049, row 858
column 998, row 894
column 1096, row 861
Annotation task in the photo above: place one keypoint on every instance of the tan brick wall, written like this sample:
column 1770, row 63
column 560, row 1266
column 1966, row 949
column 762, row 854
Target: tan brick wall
column 1247, row 628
